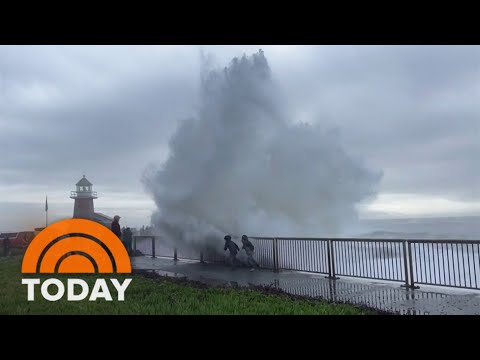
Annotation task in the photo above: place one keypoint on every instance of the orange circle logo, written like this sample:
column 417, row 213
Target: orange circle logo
column 76, row 246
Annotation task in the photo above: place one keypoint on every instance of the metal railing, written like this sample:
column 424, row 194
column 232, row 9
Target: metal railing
column 372, row 259
column 445, row 263
column 451, row 263
column 310, row 255
column 265, row 253
column 80, row 194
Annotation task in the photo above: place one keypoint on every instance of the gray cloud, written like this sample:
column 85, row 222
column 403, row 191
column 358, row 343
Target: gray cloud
column 411, row 110
column 107, row 131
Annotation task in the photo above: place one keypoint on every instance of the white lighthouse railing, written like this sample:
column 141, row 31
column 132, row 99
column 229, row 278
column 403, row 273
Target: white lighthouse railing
column 80, row 194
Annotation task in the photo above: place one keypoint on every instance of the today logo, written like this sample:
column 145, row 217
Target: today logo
column 76, row 246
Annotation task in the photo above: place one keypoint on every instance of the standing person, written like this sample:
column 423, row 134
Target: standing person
column 6, row 246
column 249, row 248
column 115, row 227
column 127, row 240
column 233, row 248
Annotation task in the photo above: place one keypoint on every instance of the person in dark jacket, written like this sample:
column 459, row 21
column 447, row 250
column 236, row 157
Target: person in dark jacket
column 115, row 227
column 233, row 248
column 249, row 248
column 6, row 246
column 127, row 240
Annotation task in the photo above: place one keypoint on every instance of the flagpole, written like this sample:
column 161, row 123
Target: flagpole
column 46, row 211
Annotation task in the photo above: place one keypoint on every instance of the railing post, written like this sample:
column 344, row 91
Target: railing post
column 201, row 258
column 175, row 257
column 334, row 277
column 153, row 246
column 134, row 245
column 410, row 258
column 275, row 255
column 328, row 260
column 405, row 261
column 331, row 260
column 276, row 252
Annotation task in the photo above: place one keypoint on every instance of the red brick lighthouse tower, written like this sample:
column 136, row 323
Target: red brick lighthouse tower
column 83, row 208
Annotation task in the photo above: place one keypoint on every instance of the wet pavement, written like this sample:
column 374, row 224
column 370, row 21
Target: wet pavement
column 427, row 300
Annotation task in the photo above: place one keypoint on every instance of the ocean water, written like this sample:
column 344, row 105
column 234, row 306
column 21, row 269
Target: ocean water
column 458, row 228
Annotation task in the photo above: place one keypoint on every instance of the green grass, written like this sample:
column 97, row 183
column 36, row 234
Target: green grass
column 159, row 296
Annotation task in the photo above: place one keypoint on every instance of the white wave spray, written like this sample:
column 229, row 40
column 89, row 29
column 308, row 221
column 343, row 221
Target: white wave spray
column 242, row 166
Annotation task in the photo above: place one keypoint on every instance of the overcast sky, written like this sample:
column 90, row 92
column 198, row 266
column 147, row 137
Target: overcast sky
column 108, row 112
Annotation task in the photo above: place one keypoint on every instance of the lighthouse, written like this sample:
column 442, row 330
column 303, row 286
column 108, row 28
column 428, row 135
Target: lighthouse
column 83, row 196
column 83, row 208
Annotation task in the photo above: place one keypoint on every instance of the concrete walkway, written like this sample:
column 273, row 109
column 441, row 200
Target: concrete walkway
column 381, row 295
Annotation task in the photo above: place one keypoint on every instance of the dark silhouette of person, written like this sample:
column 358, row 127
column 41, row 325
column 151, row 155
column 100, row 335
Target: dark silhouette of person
column 249, row 249
column 127, row 240
column 6, row 246
column 115, row 227
column 233, row 248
